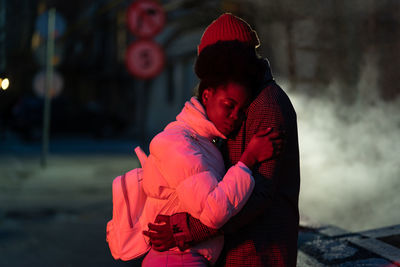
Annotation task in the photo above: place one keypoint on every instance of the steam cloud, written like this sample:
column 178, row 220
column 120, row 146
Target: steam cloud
column 350, row 156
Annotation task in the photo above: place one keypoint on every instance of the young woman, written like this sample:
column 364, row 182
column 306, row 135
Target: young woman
column 185, row 171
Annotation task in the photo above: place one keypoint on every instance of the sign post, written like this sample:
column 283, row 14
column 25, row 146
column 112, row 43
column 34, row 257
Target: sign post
column 49, row 82
column 145, row 58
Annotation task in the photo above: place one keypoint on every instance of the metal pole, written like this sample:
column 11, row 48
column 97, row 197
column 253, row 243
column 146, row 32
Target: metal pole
column 147, row 84
column 49, row 83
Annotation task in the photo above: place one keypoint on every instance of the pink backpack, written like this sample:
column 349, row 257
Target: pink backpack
column 124, row 231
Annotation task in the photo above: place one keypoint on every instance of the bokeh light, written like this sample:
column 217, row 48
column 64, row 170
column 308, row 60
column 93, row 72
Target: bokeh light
column 5, row 83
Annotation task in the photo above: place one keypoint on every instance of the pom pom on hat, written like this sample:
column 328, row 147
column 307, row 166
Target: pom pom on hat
column 228, row 28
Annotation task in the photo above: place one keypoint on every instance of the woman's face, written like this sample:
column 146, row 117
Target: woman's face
column 226, row 106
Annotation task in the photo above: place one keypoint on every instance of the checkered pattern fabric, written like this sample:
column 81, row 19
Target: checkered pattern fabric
column 265, row 232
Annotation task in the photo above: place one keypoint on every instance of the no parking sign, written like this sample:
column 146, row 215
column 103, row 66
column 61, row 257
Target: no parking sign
column 145, row 18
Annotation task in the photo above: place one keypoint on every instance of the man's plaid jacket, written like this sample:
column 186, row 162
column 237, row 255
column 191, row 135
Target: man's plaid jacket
column 265, row 232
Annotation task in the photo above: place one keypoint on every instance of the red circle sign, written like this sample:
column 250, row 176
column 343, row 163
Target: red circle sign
column 145, row 59
column 145, row 18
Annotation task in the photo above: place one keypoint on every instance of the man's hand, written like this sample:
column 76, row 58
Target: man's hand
column 160, row 233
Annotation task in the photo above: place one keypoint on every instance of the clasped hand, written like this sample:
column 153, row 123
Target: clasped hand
column 160, row 233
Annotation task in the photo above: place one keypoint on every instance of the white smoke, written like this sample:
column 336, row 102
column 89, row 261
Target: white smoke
column 350, row 156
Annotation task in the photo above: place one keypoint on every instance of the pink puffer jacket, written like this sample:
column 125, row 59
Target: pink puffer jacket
column 185, row 172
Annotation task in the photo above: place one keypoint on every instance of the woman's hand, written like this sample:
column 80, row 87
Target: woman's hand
column 264, row 145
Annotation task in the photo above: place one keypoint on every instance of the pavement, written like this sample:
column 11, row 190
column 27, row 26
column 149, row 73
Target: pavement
column 331, row 246
column 56, row 216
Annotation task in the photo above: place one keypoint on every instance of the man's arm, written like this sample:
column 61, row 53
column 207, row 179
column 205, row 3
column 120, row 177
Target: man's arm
column 264, row 112
column 178, row 230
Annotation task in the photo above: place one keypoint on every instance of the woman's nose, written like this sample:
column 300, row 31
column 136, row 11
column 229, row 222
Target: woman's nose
column 235, row 115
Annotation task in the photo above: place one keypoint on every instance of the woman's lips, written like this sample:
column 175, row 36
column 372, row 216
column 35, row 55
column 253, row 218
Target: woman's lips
column 230, row 126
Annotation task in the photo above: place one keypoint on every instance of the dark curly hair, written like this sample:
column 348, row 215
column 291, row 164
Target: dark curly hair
column 229, row 61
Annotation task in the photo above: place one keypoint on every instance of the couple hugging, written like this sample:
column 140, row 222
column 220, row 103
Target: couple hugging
column 222, row 181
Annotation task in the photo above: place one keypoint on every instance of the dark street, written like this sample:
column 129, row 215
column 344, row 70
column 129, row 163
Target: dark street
column 57, row 216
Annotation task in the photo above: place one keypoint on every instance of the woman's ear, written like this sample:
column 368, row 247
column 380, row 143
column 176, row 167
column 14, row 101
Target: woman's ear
column 205, row 96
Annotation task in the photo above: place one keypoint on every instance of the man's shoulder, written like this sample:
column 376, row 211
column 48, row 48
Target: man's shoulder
column 271, row 107
column 271, row 92
column 271, row 95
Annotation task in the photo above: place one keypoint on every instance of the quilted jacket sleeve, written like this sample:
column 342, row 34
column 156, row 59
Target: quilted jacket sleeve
column 212, row 202
column 197, row 186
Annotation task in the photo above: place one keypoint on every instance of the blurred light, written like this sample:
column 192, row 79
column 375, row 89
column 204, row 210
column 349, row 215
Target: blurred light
column 36, row 40
column 5, row 83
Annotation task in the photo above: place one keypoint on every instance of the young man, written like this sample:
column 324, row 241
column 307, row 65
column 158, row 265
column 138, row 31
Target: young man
column 265, row 231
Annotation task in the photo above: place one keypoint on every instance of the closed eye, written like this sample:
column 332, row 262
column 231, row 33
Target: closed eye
column 229, row 106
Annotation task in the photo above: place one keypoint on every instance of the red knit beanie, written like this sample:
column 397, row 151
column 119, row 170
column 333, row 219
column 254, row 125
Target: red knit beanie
column 228, row 28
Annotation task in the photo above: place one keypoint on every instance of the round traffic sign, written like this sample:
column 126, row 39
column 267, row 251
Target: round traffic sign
column 42, row 25
column 145, row 59
column 39, row 84
column 145, row 18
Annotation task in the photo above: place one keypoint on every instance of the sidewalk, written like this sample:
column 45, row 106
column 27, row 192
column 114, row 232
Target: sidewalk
column 57, row 216
column 332, row 246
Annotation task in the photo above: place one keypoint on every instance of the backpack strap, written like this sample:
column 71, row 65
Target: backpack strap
column 141, row 155
column 128, row 206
